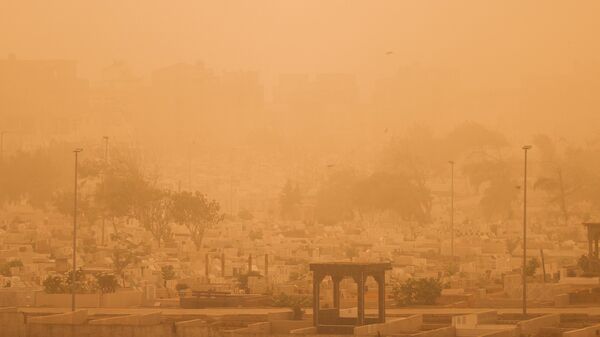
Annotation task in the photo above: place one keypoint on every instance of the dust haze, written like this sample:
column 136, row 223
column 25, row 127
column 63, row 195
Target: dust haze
column 256, row 168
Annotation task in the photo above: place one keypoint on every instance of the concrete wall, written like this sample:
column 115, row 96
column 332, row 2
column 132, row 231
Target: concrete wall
column 502, row 333
column 532, row 326
column 68, row 324
column 487, row 317
column 284, row 315
column 156, row 330
column 256, row 329
column 12, row 323
column 486, row 331
column 42, row 299
column 195, row 328
column 590, row 331
column 285, row 326
column 397, row 326
column 77, row 324
column 441, row 332
column 305, row 331
column 561, row 300
column 16, row 297
column 122, row 299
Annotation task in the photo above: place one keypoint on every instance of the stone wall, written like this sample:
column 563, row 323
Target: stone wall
column 285, row 326
column 590, row 331
column 531, row 327
column 12, row 323
column 397, row 326
column 122, row 299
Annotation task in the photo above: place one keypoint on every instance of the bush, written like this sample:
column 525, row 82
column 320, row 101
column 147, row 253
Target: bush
column 61, row 283
column 167, row 273
column 296, row 303
column 531, row 266
column 181, row 286
column 107, row 283
column 55, row 284
column 590, row 266
column 5, row 268
column 417, row 291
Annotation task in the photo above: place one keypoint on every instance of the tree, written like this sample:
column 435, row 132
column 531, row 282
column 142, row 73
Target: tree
column 336, row 198
column 157, row 214
column 552, row 181
column 107, row 283
column 5, row 269
column 531, row 266
column 63, row 283
column 590, row 266
column 417, row 291
column 296, row 303
column 88, row 209
column 55, row 284
column 124, row 190
column 168, row 273
column 289, row 201
column 34, row 176
column 126, row 253
column 497, row 178
column 388, row 192
column 196, row 213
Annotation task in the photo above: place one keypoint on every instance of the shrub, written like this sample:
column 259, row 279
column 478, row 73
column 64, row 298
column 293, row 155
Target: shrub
column 417, row 291
column 5, row 268
column 296, row 303
column 590, row 266
column 531, row 266
column 55, row 284
column 107, row 283
column 181, row 286
column 168, row 273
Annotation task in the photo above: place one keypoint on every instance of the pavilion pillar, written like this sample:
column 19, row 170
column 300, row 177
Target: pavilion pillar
column 206, row 265
column 317, row 277
column 590, row 251
column 266, row 265
column 381, row 297
column 596, row 246
column 223, row 264
column 336, row 293
column 360, row 282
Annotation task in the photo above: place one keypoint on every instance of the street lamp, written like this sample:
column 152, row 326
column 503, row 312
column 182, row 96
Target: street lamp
column 73, row 272
column 525, row 149
column 452, row 207
column 2, row 133
column 104, row 184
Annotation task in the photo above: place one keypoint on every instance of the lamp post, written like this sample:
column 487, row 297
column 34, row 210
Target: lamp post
column 451, row 208
column 2, row 145
column 525, row 149
column 104, row 185
column 73, row 272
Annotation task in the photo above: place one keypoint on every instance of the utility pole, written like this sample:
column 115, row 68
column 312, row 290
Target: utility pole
column 543, row 264
column 452, row 208
column 73, row 272
column 2, row 145
column 525, row 149
column 104, row 187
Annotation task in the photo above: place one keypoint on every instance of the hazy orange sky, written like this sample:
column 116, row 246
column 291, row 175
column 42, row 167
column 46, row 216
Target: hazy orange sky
column 277, row 36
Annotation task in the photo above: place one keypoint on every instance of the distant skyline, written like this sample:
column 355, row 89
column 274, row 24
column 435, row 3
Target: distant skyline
column 470, row 60
column 307, row 36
